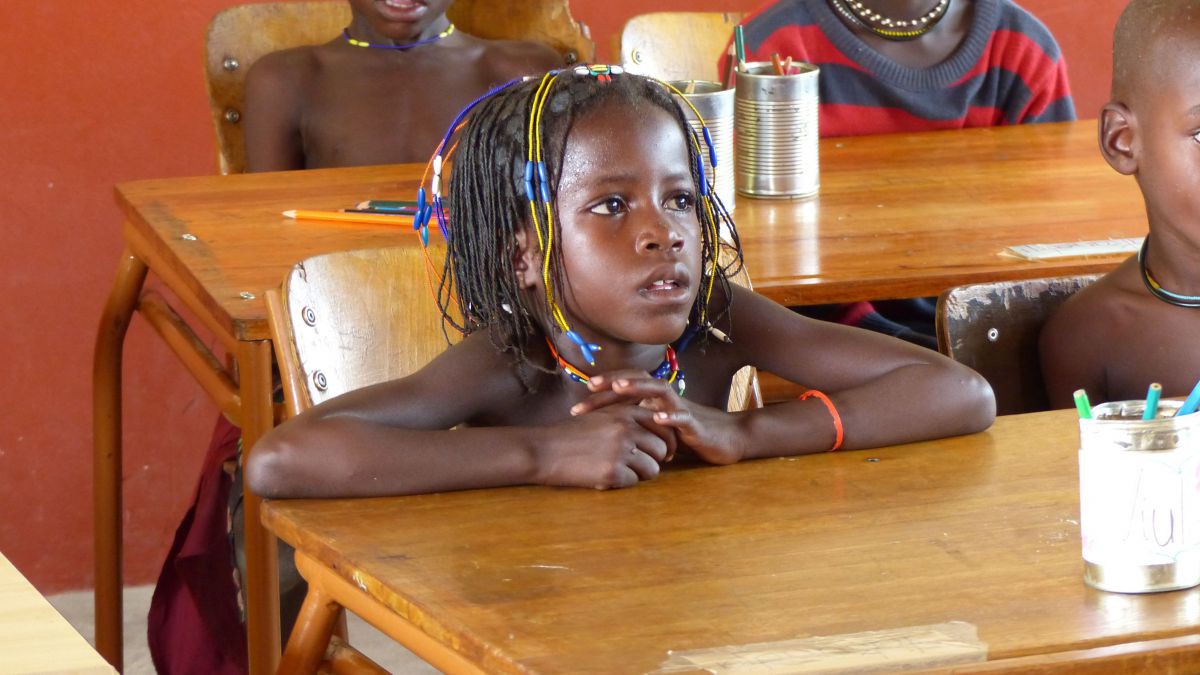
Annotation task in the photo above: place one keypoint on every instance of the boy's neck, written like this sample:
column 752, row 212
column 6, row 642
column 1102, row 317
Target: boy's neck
column 1174, row 261
column 361, row 29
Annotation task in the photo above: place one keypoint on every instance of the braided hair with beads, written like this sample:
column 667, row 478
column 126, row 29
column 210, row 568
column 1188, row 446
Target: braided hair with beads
column 504, row 172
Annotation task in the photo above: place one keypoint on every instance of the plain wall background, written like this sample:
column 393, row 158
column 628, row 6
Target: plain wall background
column 112, row 90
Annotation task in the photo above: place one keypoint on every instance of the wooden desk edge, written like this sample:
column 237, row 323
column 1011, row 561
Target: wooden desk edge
column 1165, row 655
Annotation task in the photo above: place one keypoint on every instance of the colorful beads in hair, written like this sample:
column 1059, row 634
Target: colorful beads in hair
column 539, row 192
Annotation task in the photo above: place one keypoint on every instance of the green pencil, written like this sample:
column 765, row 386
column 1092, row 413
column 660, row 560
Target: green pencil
column 739, row 42
column 385, row 205
column 1082, row 404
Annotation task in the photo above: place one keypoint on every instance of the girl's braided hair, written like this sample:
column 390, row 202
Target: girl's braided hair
column 488, row 205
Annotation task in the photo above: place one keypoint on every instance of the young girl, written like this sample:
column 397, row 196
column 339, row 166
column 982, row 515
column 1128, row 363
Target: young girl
column 601, row 330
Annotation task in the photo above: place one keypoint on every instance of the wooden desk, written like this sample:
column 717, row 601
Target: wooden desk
column 900, row 215
column 34, row 637
column 980, row 529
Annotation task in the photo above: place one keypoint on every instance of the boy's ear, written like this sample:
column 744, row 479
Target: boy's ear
column 1118, row 137
column 527, row 259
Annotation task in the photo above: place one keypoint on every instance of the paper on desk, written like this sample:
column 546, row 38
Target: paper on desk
column 1074, row 249
column 955, row 642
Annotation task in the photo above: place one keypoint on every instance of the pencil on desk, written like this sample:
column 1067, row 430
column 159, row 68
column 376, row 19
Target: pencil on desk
column 343, row 217
column 386, row 205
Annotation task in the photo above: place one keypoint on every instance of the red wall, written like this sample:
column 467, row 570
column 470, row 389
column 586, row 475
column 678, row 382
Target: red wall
column 111, row 91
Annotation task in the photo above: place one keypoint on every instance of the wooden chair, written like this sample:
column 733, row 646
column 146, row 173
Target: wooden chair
column 239, row 36
column 346, row 320
column 676, row 45
column 342, row 321
column 994, row 327
column 744, row 391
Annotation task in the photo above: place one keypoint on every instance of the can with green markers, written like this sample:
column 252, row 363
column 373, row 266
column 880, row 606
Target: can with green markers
column 1139, row 498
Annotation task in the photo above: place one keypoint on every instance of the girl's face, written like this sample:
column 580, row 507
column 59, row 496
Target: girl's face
column 630, row 236
column 397, row 20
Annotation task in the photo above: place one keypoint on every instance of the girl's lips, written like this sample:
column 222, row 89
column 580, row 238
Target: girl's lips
column 665, row 290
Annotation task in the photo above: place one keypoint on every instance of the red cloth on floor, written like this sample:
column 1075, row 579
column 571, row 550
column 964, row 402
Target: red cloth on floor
column 195, row 623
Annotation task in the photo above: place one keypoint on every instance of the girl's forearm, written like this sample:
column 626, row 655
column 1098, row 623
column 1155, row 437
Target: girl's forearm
column 347, row 457
column 911, row 403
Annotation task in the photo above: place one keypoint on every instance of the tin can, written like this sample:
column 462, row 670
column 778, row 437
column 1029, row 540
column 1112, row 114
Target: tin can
column 776, row 121
column 1139, row 498
column 715, row 105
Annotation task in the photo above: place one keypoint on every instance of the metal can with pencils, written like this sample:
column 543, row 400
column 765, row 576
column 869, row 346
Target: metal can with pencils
column 715, row 105
column 776, row 121
column 1139, row 498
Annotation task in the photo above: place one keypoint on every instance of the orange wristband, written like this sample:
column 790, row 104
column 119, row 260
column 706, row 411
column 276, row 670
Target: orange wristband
column 837, row 419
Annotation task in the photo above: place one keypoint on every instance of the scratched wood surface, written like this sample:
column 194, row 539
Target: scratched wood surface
column 900, row 215
column 981, row 529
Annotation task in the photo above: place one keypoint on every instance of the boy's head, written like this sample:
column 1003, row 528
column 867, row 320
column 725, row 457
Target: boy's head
column 1151, row 126
column 497, row 239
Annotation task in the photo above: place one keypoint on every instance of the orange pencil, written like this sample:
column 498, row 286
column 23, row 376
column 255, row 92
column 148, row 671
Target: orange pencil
column 778, row 63
column 343, row 217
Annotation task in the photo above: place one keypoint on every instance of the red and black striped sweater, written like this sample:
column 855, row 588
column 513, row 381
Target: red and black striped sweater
column 1008, row 70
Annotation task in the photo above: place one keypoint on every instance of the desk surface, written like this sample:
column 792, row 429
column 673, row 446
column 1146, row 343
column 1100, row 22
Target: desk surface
column 899, row 215
column 981, row 529
column 34, row 637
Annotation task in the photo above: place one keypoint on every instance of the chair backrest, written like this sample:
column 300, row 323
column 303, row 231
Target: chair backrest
column 994, row 328
column 347, row 320
column 239, row 36
column 676, row 45
column 744, row 392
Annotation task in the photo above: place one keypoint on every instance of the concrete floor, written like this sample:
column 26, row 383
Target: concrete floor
column 77, row 608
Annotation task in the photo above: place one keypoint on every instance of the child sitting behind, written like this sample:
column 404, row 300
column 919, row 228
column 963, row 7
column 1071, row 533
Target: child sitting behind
column 593, row 294
column 1137, row 324
column 379, row 93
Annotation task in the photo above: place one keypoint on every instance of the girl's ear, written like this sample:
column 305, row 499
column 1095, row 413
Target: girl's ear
column 527, row 259
column 1119, row 141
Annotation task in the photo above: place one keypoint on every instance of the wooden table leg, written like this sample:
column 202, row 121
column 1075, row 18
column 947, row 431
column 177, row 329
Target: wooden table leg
column 106, row 458
column 262, row 572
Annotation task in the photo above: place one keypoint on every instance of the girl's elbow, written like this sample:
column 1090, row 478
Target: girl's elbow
column 978, row 402
column 268, row 470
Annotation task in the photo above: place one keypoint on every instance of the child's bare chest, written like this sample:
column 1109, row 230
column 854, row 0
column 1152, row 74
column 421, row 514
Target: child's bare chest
column 380, row 117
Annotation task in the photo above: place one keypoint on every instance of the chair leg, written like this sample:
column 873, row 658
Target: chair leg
column 310, row 638
column 106, row 459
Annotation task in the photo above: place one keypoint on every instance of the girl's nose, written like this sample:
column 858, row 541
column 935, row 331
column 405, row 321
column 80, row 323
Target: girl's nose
column 659, row 235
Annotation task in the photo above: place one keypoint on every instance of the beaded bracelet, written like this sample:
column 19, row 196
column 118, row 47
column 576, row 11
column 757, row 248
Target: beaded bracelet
column 837, row 419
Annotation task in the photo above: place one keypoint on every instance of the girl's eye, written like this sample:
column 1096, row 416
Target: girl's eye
column 681, row 202
column 1196, row 136
column 609, row 207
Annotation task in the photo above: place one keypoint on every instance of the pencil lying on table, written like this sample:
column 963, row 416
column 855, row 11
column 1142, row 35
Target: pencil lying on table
column 349, row 217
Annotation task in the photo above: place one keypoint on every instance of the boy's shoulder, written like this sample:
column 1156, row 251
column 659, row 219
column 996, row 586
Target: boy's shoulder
column 292, row 65
column 507, row 59
column 1114, row 300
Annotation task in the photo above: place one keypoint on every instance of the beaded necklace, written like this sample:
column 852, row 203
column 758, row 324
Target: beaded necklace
column 1190, row 301
column 887, row 27
column 667, row 370
column 418, row 43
